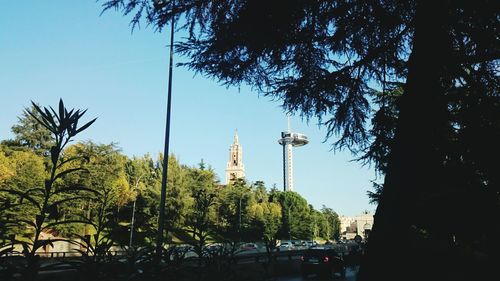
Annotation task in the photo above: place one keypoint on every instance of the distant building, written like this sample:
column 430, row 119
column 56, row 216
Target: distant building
column 235, row 168
column 347, row 230
column 364, row 224
column 358, row 225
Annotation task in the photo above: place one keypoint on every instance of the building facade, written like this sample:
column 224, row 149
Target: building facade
column 359, row 225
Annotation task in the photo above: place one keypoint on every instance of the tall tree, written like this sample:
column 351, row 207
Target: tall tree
column 29, row 133
column 296, row 216
column 6, row 169
column 332, row 221
column 268, row 218
column 104, row 172
column 235, row 201
column 178, row 195
column 142, row 212
column 24, row 171
column 200, row 220
column 320, row 58
column 266, row 221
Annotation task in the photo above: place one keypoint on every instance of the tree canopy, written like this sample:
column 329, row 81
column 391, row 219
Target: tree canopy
column 96, row 188
column 343, row 62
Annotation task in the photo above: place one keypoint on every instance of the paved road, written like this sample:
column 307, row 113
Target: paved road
column 350, row 276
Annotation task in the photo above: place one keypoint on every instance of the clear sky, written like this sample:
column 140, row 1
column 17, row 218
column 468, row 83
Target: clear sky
column 63, row 49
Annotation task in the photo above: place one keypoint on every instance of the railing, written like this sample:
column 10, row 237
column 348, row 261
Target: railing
column 62, row 255
column 343, row 250
column 241, row 257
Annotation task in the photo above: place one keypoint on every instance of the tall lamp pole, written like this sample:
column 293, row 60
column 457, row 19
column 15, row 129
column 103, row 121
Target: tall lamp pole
column 239, row 224
column 133, row 211
column 161, row 218
column 289, row 227
column 132, row 225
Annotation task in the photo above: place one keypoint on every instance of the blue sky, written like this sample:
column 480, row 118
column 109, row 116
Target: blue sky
column 58, row 48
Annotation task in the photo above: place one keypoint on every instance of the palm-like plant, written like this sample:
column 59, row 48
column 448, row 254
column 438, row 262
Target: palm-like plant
column 46, row 200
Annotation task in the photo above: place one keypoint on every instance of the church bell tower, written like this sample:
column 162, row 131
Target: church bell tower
column 235, row 168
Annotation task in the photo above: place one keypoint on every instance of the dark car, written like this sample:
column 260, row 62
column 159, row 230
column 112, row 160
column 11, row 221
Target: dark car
column 323, row 262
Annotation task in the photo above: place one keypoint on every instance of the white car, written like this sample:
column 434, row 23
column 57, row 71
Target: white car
column 311, row 244
column 249, row 246
column 285, row 246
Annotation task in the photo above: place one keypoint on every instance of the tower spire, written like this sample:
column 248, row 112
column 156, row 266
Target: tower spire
column 235, row 168
column 236, row 139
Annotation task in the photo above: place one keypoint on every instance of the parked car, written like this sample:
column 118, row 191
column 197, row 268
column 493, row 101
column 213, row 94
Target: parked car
column 215, row 247
column 285, row 245
column 311, row 243
column 322, row 261
column 249, row 246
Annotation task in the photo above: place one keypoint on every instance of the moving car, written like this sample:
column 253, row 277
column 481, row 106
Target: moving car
column 322, row 261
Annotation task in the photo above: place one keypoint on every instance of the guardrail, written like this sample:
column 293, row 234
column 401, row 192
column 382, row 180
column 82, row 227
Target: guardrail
column 62, row 255
column 241, row 257
column 343, row 250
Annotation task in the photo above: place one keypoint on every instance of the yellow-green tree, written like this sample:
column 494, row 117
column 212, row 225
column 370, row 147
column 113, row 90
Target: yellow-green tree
column 47, row 197
column 21, row 171
column 266, row 218
column 104, row 173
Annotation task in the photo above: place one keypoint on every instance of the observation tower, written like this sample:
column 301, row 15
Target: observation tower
column 289, row 140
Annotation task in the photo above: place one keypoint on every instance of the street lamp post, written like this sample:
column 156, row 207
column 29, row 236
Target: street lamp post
column 239, row 219
column 289, row 227
column 132, row 224
column 163, row 194
column 333, row 227
column 239, row 224
column 133, row 211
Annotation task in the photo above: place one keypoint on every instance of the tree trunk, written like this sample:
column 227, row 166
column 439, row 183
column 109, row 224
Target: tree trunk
column 398, row 249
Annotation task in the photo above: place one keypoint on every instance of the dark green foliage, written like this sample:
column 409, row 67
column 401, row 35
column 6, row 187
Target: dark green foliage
column 31, row 134
column 95, row 247
column 7, row 242
column 144, row 176
column 296, row 217
column 232, row 211
column 332, row 228
column 384, row 123
column 199, row 221
column 436, row 145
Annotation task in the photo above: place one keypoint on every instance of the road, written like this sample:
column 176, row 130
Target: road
column 350, row 276
column 287, row 266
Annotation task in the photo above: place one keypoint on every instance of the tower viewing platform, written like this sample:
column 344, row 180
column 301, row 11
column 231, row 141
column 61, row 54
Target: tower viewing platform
column 289, row 140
